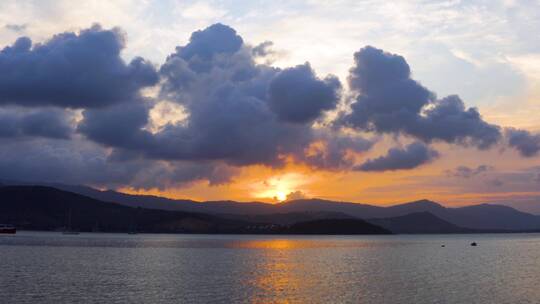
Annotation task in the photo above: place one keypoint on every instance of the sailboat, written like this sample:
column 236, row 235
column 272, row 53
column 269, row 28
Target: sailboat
column 69, row 230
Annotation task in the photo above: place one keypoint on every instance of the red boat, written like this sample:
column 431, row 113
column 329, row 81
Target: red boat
column 7, row 229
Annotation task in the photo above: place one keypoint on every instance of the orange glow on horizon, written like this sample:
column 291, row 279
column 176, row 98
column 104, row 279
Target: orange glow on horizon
column 273, row 185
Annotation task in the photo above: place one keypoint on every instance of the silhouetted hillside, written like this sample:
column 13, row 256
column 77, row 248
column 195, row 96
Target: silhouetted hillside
column 480, row 217
column 335, row 226
column 288, row 218
column 419, row 222
column 44, row 208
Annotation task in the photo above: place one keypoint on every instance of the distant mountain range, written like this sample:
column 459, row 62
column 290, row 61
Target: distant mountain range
column 228, row 216
column 484, row 216
column 47, row 208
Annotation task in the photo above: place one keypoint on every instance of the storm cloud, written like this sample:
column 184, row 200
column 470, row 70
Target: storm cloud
column 390, row 101
column 468, row 172
column 411, row 156
column 75, row 107
column 525, row 142
column 35, row 123
column 297, row 95
column 82, row 162
column 72, row 70
column 238, row 111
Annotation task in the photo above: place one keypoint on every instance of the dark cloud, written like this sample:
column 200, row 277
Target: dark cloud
column 333, row 150
column 72, row 70
column 450, row 121
column 467, row 172
column 525, row 142
column 263, row 49
column 238, row 112
column 82, row 162
column 217, row 39
column 39, row 123
column 16, row 27
column 296, row 195
column 72, row 162
column 297, row 95
column 390, row 101
column 412, row 156
column 118, row 126
column 496, row 183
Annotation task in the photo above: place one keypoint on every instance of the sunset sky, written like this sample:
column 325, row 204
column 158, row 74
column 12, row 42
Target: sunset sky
column 363, row 101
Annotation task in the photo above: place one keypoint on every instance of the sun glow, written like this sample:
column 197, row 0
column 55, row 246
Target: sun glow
column 279, row 187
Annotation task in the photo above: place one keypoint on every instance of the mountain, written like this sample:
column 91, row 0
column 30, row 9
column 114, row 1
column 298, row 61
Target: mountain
column 47, row 208
column 162, row 203
column 288, row 218
column 335, row 226
column 419, row 222
column 484, row 216
column 487, row 216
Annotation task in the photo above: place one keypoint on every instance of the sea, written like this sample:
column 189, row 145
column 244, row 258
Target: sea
column 49, row 267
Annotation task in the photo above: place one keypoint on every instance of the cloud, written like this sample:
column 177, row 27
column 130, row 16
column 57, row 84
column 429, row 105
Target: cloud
column 72, row 70
column 526, row 143
column 296, row 195
column 82, row 162
column 118, row 126
column 467, row 172
column 412, row 156
column 237, row 111
column 390, row 101
column 263, row 49
column 297, row 95
column 35, row 123
column 205, row 44
column 333, row 150
column 16, row 27
column 495, row 183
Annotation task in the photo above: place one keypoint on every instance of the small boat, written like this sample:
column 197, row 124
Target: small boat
column 474, row 244
column 7, row 229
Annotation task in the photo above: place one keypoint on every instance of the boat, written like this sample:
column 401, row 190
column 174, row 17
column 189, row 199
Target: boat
column 7, row 229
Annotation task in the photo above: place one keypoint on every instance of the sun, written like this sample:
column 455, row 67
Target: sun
column 278, row 187
column 281, row 195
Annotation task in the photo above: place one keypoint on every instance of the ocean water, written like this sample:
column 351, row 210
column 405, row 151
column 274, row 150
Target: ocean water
column 40, row 267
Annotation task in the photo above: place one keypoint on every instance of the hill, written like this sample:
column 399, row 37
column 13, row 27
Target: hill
column 480, row 217
column 335, row 226
column 419, row 222
column 46, row 208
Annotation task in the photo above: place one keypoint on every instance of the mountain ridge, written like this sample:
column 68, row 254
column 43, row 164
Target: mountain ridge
column 481, row 216
column 47, row 208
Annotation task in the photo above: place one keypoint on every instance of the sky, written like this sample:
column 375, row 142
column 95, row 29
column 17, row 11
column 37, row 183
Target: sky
column 363, row 101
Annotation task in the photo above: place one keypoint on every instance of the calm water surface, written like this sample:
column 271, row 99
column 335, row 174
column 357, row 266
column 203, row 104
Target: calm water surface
column 39, row 267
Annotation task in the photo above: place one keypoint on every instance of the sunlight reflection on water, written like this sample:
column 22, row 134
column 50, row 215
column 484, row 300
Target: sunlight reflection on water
column 114, row 268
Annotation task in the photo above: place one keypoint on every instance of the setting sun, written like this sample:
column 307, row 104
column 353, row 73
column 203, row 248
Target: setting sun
column 279, row 187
